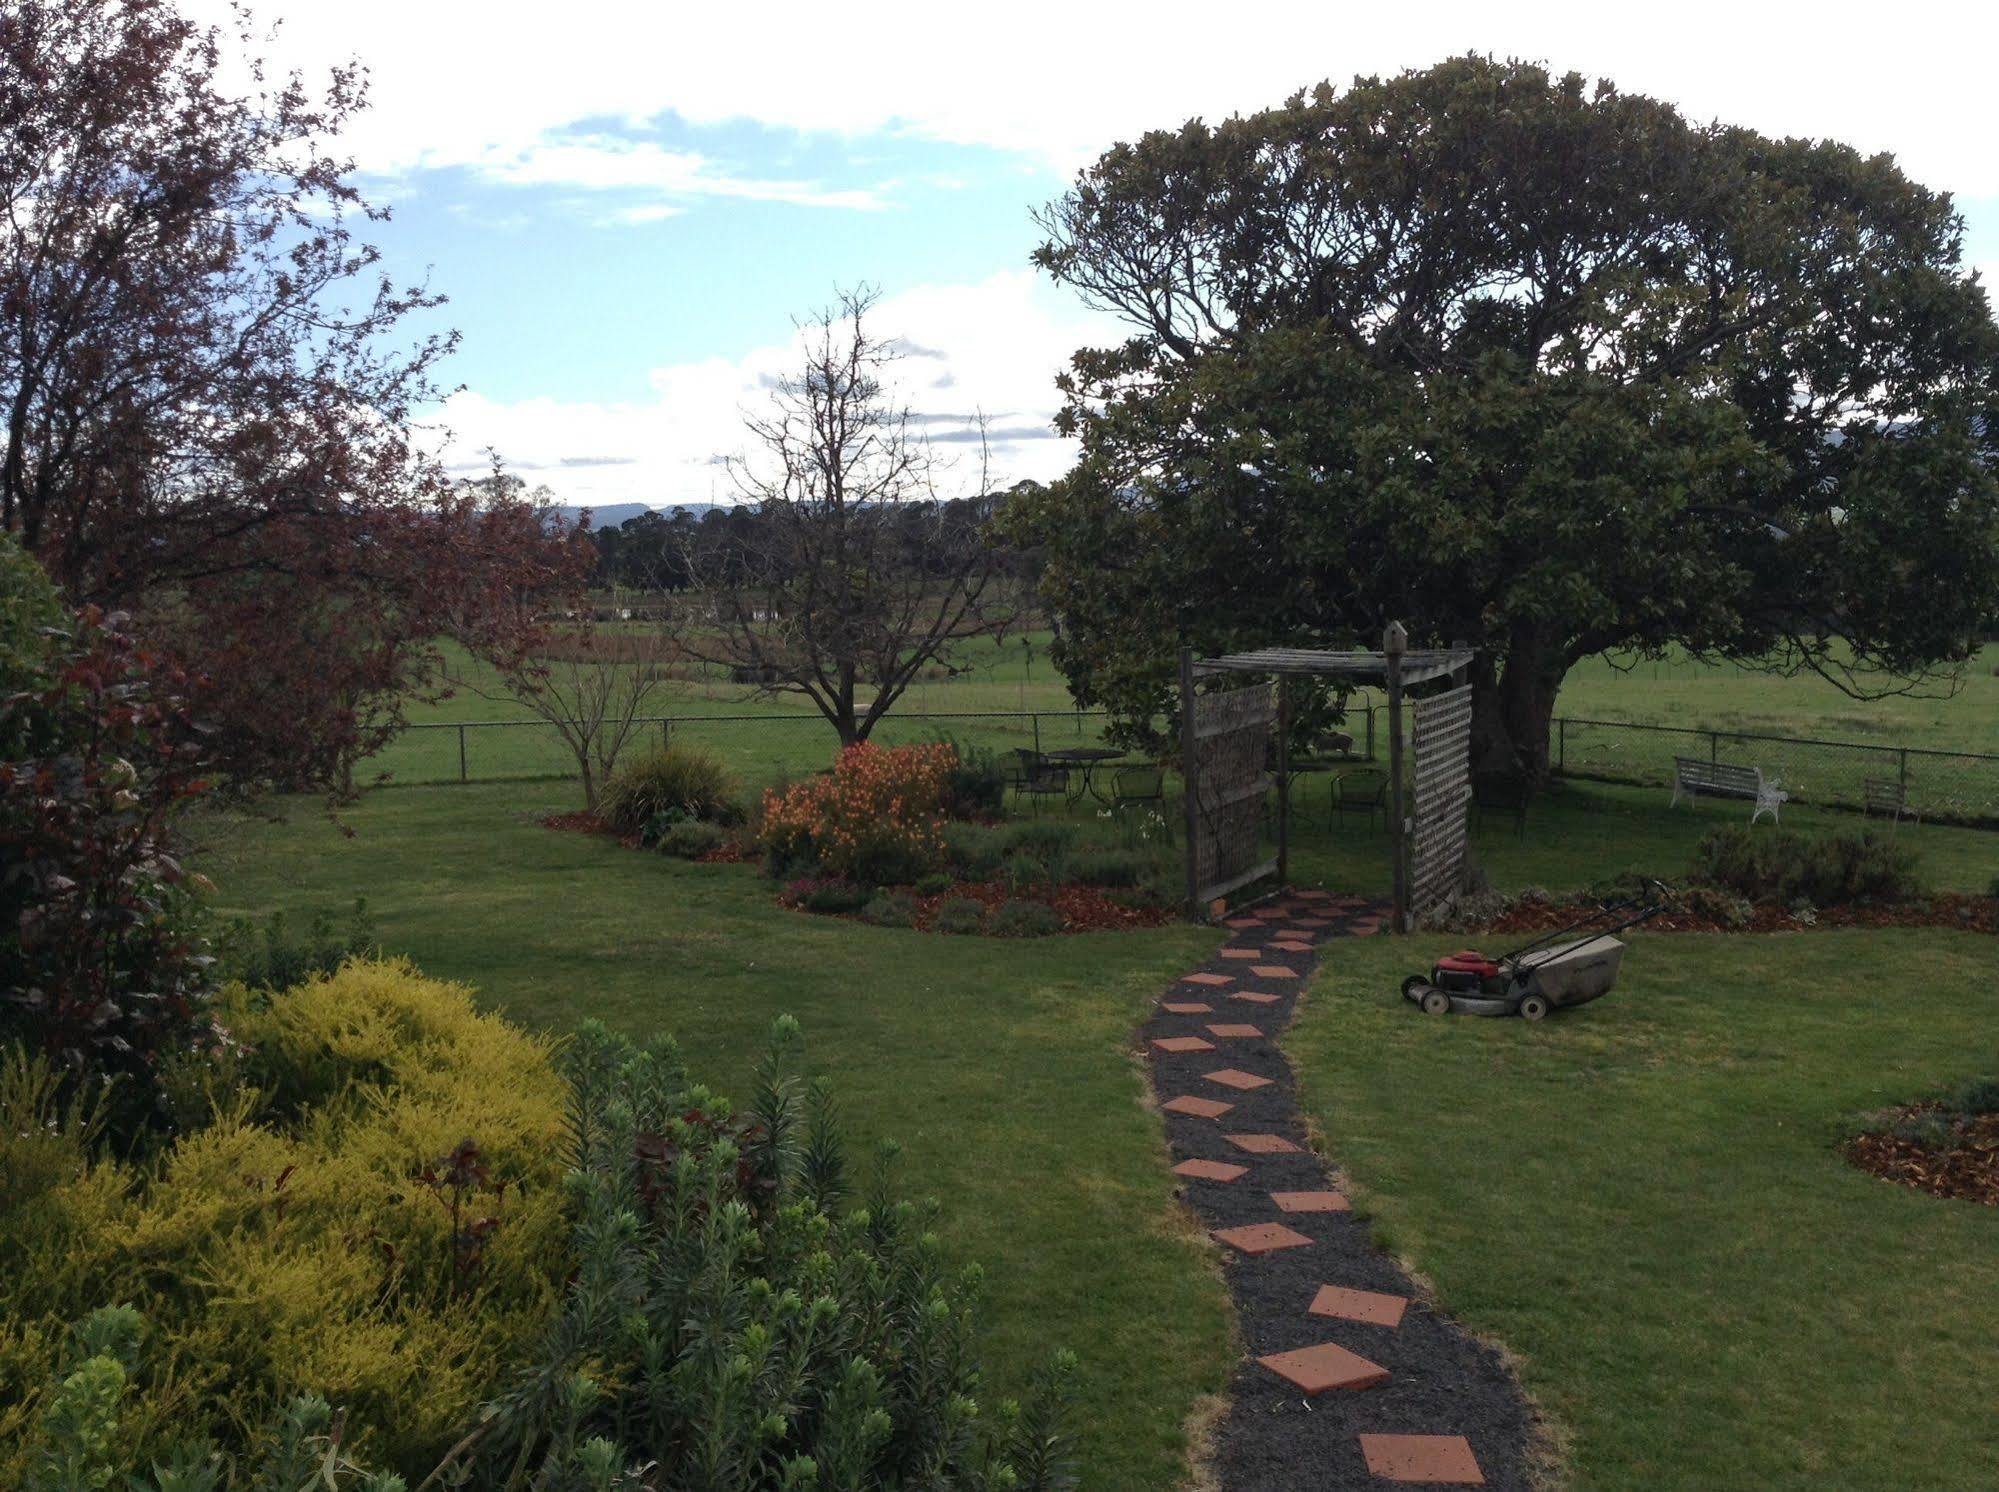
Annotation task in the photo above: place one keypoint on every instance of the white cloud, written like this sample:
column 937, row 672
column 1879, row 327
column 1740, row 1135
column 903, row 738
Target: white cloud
column 457, row 81
column 609, row 163
column 994, row 346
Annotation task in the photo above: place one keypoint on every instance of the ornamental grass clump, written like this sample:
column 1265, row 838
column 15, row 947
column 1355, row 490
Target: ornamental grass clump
column 877, row 818
column 739, row 1317
column 665, row 786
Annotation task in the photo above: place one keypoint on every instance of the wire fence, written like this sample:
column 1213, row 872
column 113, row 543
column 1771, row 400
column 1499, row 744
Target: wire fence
column 760, row 748
column 1939, row 786
column 1959, row 787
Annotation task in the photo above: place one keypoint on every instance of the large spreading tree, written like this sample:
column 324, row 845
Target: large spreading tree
column 1528, row 363
column 209, row 387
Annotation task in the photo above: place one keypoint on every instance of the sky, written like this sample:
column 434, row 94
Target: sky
column 628, row 203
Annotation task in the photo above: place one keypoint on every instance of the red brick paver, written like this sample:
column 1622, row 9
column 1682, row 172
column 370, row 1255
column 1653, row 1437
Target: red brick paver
column 1200, row 1108
column 1274, row 971
column 1422, row 1458
column 1370, row 1306
column 1263, row 1144
column 1261, row 1238
column 1187, row 1007
column 1232, row 1028
column 1327, row 1366
column 1182, row 1044
column 1210, row 1170
column 1309, row 1201
column 1240, row 953
column 1255, row 998
column 1291, row 945
column 1231, row 1077
column 1209, row 979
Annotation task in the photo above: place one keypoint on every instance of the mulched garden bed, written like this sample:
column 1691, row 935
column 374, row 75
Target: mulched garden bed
column 1082, row 908
column 1966, row 1169
column 1947, row 909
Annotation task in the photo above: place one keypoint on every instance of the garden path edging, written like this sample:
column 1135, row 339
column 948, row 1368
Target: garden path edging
column 1447, row 1411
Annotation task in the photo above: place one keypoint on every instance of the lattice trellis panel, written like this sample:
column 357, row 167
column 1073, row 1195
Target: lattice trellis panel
column 1440, row 796
column 1231, row 740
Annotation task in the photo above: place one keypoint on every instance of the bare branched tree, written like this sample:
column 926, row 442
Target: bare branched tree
column 854, row 575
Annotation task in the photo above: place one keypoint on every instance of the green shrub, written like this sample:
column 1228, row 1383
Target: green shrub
column 1023, row 873
column 890, row 909
column 976, row 788
column 837, row 897
column 1930, row 1130
column 1046, row 840
column 734, row 1316
column 275, row 957
column 690, row 839
column 1105, row 868
column 974, row 850
column 665, row 785
column 1023, row 919
column 1722, row 908
column 285, row 1248
column 961, row 914
column 1974, row 1096
column 934, row 884
column 1781, row 866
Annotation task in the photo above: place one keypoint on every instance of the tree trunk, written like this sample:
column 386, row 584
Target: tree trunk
column 1513, row 707
column 589, row 781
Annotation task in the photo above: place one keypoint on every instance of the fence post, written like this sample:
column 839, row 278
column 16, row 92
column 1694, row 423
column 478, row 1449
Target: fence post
column 1037, row 733
column 1902, row 769
column 665, row 733
column 1713, row 747
column 1370, row 732
column 1562, row 743
column 461, row 754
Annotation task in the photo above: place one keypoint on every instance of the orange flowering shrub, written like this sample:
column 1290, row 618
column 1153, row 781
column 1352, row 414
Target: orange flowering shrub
column 878, row 817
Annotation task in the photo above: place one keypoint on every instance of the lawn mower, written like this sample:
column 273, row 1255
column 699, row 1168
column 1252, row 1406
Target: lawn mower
column 1546, row 974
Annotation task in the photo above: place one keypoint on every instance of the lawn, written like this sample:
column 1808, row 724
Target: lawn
column 1641, row 1199
column 1001, row 1066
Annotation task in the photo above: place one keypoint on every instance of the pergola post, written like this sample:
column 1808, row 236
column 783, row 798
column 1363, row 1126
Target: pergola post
column 1187, row 780
column 1283, row 782
column 1395, row 642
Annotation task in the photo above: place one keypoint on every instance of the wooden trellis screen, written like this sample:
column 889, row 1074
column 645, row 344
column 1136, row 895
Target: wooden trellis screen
column 1440, row 796
column 1229, row 742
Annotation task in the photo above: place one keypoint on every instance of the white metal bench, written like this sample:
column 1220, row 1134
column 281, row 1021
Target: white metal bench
column 1693, row 777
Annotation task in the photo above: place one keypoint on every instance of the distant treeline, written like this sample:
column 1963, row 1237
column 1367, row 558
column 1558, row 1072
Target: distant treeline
column 670, row 550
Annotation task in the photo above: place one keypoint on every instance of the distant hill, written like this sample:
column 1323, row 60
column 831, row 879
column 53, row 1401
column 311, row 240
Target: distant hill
column 610, row 515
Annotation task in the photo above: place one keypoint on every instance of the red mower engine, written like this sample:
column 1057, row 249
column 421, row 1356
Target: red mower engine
column 1467, row 972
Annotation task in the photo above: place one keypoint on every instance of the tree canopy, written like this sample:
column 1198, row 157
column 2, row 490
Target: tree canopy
column 1529, row 363
column 209, row 387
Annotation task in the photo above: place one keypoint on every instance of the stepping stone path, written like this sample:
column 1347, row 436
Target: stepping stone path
column 1348, row 1380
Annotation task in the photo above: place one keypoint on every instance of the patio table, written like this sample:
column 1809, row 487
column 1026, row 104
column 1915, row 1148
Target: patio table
column 1087, row 759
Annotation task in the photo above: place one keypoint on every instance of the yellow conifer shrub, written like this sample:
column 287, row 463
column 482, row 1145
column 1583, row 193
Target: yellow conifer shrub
column 293, row 1244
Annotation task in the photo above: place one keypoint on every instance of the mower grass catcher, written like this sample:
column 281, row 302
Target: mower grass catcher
column 1535, row 978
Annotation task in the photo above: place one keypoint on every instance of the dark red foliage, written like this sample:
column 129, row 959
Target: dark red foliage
column 100, row 966
column 209, row 389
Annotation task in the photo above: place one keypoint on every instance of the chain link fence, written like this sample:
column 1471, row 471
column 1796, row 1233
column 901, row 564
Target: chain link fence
column 1940, row 786
column 760, row 748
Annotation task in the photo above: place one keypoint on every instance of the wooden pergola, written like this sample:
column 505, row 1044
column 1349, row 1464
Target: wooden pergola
column 1222, row 758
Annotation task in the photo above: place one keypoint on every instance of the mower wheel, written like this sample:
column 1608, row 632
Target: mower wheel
column 1436, row 1002
column 1533, row 1007
column 1412, row 985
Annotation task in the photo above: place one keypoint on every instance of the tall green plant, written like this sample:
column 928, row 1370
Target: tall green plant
column 733, row 1322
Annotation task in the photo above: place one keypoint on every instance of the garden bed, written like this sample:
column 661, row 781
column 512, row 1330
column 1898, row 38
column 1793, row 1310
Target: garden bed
column 1962, row 1162
column 1081, row 908
column 1953, row 910
column 731, row 851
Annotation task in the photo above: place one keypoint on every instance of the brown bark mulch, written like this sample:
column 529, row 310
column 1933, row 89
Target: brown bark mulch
column 1082, row 908
column 1967, row 1168
column 1950, row 909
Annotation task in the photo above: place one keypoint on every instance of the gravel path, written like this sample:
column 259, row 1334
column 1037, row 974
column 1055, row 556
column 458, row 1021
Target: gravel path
column 1378, row 1390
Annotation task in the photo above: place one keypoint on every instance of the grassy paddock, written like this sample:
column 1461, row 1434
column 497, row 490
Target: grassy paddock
column 1001, row 1065
column 1642, row 1200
